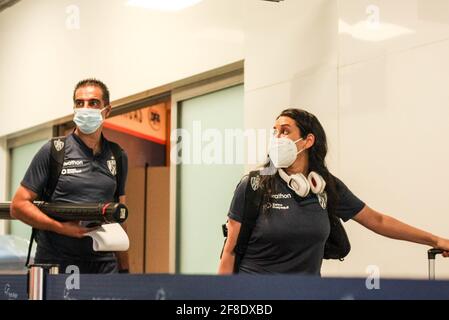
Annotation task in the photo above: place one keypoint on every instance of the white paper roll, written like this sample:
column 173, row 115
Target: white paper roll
column 109, row 237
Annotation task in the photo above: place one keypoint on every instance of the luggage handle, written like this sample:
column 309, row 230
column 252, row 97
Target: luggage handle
column 431, row 254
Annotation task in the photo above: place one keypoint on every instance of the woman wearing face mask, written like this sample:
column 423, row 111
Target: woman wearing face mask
column 298, row 191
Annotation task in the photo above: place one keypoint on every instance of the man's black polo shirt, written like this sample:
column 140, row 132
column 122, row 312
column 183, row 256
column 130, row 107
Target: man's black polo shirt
column 84, row 178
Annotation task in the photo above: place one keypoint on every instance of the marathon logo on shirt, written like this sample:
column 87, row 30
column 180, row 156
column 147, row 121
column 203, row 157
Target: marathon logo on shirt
column 281, row 196
column 72, row 163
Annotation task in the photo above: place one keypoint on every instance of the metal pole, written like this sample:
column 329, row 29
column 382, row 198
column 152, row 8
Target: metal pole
column 54, row 270
column 36, row 283
column 37, row 277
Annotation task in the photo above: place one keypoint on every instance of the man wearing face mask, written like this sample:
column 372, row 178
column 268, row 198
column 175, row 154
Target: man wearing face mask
column 88, row 176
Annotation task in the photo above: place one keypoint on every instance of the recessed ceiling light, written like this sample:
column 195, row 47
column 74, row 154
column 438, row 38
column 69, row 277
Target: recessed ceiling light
column 365, row 31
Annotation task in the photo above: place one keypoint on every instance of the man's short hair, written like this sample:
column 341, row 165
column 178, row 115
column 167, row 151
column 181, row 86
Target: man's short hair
column 96, row 83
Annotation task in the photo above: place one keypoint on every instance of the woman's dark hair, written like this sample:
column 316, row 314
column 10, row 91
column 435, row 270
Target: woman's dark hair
column 308, row 124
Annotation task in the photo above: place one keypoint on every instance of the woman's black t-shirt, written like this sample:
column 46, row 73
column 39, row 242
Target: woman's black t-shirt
column 290, row 234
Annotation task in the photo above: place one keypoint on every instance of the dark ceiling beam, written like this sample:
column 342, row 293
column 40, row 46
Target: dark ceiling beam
column 4, row 4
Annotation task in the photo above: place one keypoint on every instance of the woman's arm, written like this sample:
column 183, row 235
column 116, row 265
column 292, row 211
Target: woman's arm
column 395, row 229
column 228, row 257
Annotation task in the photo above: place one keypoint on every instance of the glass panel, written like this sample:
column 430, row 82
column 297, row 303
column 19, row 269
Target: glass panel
column 20, row 160
column 205, row 190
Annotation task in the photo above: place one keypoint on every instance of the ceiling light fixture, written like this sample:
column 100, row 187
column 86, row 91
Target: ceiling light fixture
column 365, row 31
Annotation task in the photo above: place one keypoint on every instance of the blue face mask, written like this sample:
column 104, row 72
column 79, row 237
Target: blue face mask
column 88, row 120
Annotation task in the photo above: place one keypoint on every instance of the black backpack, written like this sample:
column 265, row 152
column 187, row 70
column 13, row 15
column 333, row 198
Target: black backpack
column 57, row 154
column 337, row 245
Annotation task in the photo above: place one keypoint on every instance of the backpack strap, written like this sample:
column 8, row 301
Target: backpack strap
column 57, row 153
column 117, row 152
column 253, row 203
column 56, row 163
column 30, row 247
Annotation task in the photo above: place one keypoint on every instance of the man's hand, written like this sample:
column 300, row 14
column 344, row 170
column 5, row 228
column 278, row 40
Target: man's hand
column 72, row 229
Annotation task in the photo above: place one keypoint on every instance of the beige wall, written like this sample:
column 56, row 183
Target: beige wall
column 379, row 88
column 129, row 48
column 393, row 119
column 380, row 91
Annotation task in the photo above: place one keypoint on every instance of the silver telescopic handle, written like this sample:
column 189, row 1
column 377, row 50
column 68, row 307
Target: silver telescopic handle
column 431, row 254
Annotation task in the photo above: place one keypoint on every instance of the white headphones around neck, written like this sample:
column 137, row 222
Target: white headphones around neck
column 302, row 185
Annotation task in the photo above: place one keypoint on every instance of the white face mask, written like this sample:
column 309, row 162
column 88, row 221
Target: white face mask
column 88, row 120
column 283, row 152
